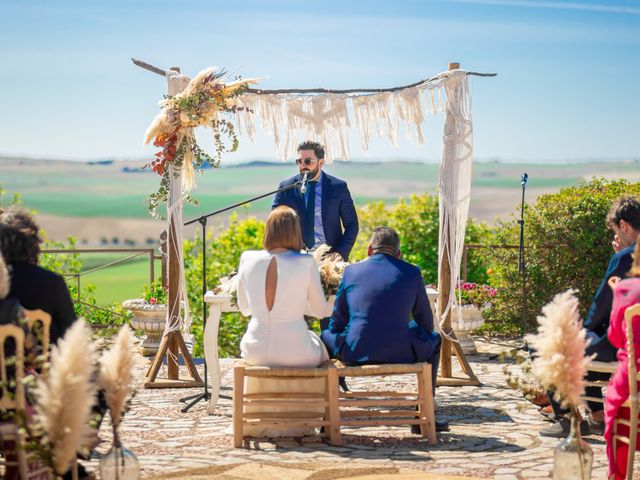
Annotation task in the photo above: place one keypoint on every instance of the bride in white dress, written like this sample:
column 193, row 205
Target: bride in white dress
column 277, row 287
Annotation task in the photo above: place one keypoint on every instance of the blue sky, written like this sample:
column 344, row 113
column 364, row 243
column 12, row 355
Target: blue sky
column 567, row 85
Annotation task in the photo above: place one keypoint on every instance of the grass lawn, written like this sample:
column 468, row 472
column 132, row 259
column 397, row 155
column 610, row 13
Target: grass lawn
column 118, row 282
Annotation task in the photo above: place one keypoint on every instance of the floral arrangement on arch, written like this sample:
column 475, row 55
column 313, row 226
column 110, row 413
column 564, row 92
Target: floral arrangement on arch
column 202, row 103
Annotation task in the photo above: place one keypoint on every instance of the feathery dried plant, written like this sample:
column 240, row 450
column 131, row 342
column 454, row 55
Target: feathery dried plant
column 560, row 363
column 116, row 375
column 5, row 282
column 64, row 400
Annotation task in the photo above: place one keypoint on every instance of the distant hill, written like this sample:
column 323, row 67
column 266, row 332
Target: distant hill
column 105, row 200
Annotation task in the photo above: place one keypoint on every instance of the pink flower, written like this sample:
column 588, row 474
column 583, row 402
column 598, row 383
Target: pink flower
column 153, row 300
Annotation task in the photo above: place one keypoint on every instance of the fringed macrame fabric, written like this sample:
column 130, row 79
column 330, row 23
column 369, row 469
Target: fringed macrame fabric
column 455, row 179
column 326, row 118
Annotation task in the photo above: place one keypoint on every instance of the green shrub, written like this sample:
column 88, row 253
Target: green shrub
column 567, row 245
column 416, row 221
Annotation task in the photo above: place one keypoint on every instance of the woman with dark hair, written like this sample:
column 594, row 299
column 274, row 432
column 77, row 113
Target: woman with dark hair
column 33, row 286
column 277, row 286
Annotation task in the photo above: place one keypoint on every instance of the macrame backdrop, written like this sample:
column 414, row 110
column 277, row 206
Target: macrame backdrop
column 291, row 118
column 455, row 180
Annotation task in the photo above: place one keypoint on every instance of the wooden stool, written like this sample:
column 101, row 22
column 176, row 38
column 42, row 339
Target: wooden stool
column 422, row 399
column 326, row 417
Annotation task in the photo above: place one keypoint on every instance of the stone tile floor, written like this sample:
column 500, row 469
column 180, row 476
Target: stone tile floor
column 494, row 432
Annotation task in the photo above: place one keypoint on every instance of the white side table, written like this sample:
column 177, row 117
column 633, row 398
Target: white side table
column 217, row 305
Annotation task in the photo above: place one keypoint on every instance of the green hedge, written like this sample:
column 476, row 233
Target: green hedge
column 567, row 246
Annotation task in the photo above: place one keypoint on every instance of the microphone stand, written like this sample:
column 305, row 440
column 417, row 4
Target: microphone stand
column 521, row 263
column 206, row 395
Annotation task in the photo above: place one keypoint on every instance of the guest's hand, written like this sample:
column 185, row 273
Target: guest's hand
column 617, row 244
column 613, row 282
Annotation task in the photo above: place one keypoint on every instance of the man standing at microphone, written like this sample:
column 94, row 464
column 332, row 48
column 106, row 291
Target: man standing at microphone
column 324, row 204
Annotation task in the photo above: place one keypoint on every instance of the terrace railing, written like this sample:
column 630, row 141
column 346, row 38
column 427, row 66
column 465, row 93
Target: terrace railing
column 134, row 253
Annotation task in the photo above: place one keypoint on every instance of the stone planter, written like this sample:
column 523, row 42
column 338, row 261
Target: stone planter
column 151, row 320
column 471, row 319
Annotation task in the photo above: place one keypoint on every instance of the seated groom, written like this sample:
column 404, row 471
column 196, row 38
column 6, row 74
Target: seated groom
column 381, row 312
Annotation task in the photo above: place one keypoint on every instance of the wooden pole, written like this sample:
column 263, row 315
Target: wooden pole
column 173, row 246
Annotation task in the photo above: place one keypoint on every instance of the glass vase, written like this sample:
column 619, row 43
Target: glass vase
column 572, row 457
column 119, row 463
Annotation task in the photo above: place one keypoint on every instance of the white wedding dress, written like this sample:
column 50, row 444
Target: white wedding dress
column 280, row 337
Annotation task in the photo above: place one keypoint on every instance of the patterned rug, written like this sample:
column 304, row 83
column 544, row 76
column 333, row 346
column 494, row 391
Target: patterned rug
column 304, row 471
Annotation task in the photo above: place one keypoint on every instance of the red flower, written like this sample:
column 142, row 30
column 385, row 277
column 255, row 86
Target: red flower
column 153, row 300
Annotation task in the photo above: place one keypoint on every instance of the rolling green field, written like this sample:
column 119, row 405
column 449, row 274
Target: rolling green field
column 81, row 190
column 118, row 282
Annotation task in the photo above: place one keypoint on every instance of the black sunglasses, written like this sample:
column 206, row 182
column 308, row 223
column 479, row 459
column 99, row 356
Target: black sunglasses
column 306, row 161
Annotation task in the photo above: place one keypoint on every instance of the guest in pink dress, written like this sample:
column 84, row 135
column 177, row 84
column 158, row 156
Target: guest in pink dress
column 625, row 293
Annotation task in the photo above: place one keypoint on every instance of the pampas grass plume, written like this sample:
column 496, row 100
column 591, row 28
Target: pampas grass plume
column 560, row 363
column 65, row 398
column 116, row 374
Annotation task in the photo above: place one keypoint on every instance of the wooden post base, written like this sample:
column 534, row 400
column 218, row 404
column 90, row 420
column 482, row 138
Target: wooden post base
column 172, row 338
column 448, row 378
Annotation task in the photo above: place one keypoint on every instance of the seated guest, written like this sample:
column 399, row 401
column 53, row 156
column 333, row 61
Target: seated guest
column 32, row 286
column 381, row 313
column 624, row 220
column 277, row 286
column 625, row 294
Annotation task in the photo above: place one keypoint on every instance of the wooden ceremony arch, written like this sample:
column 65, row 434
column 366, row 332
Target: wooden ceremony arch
column 457, row 122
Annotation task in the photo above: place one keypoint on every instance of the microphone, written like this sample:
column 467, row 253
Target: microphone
column 303, row 185
column 523, row 179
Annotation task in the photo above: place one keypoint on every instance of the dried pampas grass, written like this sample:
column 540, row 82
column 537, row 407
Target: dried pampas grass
column 65, row 398
column 560, row 363
column 116, row 377
column 5, row 282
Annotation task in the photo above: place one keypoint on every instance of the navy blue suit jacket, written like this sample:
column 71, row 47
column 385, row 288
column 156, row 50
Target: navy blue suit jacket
column 382, row 315
column 597, row 320
column 338, row 211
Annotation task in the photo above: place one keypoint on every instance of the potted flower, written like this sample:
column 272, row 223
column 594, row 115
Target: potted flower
column 150, row 316
column 472, row 299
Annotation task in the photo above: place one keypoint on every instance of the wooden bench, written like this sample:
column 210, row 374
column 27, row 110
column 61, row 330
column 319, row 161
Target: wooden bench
column 372, row 407
column 333, row 409
column 305, row 409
